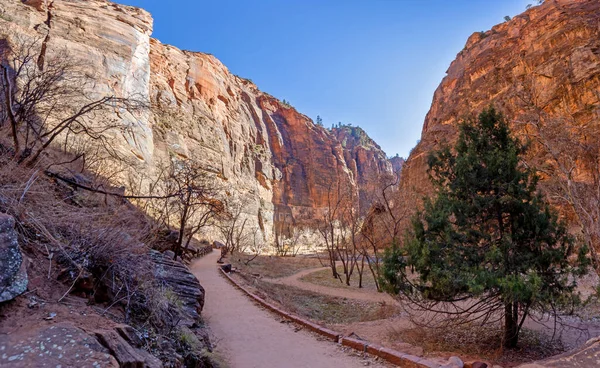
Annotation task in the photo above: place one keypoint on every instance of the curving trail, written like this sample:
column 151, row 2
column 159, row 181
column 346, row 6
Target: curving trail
column 248, row 336
column 364, row 295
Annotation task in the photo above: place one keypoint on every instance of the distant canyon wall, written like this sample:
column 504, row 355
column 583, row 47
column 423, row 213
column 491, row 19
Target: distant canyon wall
column 264, row 152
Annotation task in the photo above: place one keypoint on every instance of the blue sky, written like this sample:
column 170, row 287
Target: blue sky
column 372, row 63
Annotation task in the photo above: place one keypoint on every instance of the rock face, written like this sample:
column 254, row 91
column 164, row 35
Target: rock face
column 547, row 58
column 365, row 160
column 267, row 152
column 13, row 274
column 397, row 163
column 182, row 282
column 264, row 152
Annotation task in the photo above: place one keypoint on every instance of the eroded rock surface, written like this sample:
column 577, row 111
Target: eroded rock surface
column 53, row 346
column 13, row 274
column 124, row 353
column 265, row 152
column 547, row 57
column 178, row 278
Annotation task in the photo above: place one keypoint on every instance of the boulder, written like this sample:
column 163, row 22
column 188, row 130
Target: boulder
column 176, row 276
column 13, row 273
column 226, row 267
column 53, row 346
column 126, row 355
column 454, row 362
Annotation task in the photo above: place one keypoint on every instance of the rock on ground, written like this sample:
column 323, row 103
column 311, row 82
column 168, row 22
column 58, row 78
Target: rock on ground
column 13, row 275
column 184, row 284
column 53, row 346
column 64, row 345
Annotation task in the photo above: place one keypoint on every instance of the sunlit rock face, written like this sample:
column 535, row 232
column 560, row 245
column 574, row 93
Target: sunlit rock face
column 109, row 42
column 548, row 56
column 397, row 163
column 264, row 152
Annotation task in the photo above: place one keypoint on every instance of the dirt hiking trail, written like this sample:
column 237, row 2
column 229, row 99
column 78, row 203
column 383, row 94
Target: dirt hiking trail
column 247, row 336
column 359, row 294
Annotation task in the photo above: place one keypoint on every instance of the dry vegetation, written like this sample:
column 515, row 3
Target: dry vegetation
column 322, row 308
column 272, row 266
column 87, row 248
column 324, row 278
column 386, row 324
column 481, row 343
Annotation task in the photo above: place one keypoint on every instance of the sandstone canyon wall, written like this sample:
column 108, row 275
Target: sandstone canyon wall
column 545, row 59
column 264, row 152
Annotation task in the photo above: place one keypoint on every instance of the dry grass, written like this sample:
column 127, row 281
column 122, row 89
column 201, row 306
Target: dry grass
column 97, row 241
column 95, row 246
column 323, row 308
column 482, row 343
column 325, row 278
column 272, row 266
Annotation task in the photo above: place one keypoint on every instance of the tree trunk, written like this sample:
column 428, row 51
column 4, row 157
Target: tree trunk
column 511, row 333
column 374, row 272
column 360, row 272
column 9, row 109
column 182, row 223
column 332, row 264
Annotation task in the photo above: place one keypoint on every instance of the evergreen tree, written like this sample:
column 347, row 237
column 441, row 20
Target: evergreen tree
column 319, row 120
column 487, row 235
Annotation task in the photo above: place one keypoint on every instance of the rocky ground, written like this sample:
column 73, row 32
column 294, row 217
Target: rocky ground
column 80, row 284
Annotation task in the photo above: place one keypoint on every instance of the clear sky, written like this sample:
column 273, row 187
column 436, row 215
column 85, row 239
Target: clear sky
column 372, row 63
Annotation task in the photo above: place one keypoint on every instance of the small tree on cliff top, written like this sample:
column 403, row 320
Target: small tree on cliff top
column 487, row 242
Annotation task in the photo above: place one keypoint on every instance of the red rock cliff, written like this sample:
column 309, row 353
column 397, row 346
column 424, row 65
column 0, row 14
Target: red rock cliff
column 266, row 153
column 549, row 56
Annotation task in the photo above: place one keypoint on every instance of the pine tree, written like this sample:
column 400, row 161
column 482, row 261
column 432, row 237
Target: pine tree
column 487, row 235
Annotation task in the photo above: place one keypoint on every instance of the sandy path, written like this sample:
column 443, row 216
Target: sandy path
column 248, row 336
column 365, row 295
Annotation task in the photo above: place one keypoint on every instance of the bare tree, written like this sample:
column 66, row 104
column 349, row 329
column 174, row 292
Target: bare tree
column 233, row 227
column 258, row 245
column 354, row 250
column 383, row 224
column 340, row 230
column 329, row 228
column 287, row 236
column 568, row 157
column 191, row 198
column 49, row 98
